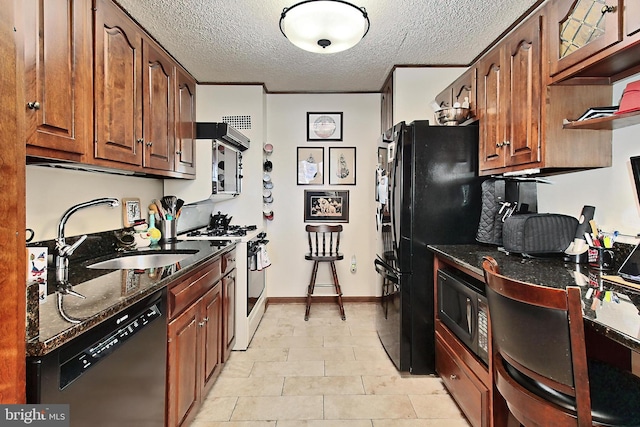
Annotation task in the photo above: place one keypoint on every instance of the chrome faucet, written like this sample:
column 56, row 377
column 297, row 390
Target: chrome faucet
column 64, row 251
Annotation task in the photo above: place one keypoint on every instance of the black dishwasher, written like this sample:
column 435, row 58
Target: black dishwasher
column 113, row 374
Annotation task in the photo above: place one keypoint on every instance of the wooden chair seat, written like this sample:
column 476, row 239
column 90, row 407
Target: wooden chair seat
column 324, row 246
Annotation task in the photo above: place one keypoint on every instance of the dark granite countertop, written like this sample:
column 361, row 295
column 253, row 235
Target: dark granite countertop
column 108, row 292
column 612, row 309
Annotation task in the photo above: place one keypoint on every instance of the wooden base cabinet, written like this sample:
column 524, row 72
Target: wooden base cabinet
column 195, row 342
column 469, row 392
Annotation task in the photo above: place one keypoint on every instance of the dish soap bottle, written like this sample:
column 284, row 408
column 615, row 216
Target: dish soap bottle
column 153, row 232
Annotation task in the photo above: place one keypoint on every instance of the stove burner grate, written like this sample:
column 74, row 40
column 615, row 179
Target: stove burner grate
column 229, row 231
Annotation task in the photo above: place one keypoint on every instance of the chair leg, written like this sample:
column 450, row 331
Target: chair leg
column 336, row 283
column 312, row 284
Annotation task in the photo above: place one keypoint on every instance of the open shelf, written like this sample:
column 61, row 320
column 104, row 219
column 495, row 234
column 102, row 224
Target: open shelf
column 615, row 121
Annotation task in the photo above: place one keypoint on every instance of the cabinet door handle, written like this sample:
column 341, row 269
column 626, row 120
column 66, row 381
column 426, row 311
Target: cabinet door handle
column 607, row 9
column 178, row 152
column 507, row 143
column 201, row 324
column 33, row 105
column 453, row 377
column 149, row 144
column 206, row 319
column 499, row 144
column 139, row 140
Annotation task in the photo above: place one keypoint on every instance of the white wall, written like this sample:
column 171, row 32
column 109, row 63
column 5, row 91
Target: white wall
column 50, row 192
column 213, row 102
column 611, row 190
column 415, row 88
column 286, row 130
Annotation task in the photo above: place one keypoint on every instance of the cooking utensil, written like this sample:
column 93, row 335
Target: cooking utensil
column 452, row 116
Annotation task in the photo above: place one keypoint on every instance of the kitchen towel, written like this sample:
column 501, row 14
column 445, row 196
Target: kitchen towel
column 262, row 258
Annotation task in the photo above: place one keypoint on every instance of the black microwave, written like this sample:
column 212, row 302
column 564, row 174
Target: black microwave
column 462, row 307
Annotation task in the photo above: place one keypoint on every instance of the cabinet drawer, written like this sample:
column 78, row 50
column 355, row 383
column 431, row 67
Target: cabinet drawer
column 193, row 287
column 228, row 261
column 468, row 392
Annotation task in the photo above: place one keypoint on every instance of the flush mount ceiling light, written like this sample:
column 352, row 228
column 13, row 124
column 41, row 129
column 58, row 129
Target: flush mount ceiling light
column 324, row 26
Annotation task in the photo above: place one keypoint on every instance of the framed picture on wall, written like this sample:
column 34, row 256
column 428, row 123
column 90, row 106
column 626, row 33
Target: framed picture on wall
column 326, row 206
column 324, row 126
column 310, row 165
column 342, row 165
column 130, row 211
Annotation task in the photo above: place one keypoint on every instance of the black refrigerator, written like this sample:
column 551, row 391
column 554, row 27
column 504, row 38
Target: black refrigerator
column 433, row 197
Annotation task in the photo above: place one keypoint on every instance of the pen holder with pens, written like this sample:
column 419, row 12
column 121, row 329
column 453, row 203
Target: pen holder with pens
column 601, row 258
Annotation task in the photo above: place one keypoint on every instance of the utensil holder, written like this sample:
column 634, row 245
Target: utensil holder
column 169, row 230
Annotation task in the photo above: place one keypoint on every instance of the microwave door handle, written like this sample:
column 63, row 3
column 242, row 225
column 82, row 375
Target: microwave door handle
column 470, row 316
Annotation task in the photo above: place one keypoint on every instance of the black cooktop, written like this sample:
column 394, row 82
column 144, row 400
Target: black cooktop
column 229, row 231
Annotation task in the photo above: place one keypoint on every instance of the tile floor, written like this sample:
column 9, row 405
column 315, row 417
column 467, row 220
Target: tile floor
column 322, row 373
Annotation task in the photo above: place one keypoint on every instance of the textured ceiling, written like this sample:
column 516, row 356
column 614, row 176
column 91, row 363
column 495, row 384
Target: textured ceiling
column 239, row 41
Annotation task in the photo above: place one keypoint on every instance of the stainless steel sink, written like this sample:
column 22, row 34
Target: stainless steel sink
column 141, row 261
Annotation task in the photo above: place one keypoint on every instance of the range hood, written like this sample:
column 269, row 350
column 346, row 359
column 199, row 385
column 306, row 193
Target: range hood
column 222, row 132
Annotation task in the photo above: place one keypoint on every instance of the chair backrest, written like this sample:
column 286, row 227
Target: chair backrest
column 539, row 331
column 324, row 240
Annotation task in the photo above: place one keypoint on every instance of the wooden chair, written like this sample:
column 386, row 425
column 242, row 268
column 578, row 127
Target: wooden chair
column 540, row 363
column 324, row 246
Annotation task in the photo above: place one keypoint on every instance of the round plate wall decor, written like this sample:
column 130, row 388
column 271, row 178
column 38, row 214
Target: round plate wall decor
column 324, row 127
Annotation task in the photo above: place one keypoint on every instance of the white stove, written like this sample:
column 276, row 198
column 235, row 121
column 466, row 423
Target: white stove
column 250, row 283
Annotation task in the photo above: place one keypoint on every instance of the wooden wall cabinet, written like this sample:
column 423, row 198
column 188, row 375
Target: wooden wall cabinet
column 631, row 18
column 118, row 86
column 579, row 29
column 145, row 102
column 185, row 124
column 463, row 87
column 135, row 91
column 386, row 117
column 158, row 108
column 58, row 78
column 521, row 117
column 611, row 54
column 121, row 103
column 196, row 340
column 509, row 100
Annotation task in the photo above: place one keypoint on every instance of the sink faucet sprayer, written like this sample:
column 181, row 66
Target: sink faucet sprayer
column 64, row 251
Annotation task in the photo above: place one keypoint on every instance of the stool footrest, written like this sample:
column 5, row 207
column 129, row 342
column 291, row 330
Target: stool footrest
column 335, row 285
